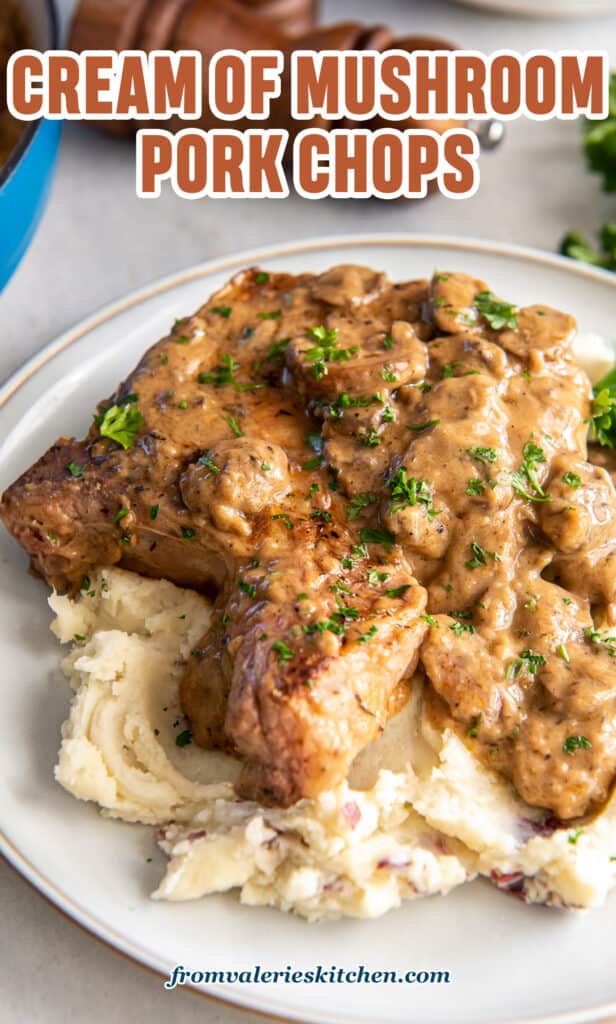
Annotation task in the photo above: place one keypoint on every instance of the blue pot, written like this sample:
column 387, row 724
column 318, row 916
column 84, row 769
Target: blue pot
column 26, row 177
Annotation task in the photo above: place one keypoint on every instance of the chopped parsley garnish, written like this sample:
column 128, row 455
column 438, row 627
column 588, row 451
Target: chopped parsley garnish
column 485, row 455
column 224, row 311
column 188, row 533
column 235, row 427
column 528, row 660
column 574, row 836
column 265, row 466
column 183, row 738
column 408, row 491
column 337, row 624
column 320, row 513
column 346, row 613
column 247, row 588
column 325, row 625
column 387, row 416
column 224, row 375
column 498, row 314
column 315, row 441
column 333, row 484
column 181, row 340
column 563, row 653
column 398, row 591
column 572, row 480
column 120, row 514
column 209, row 463
column 473, row 729
column 573, row 743
column 262, row 277
column 388, row 342
column 595, row 637
column 358, row 552
column 78, row 638
column 525, row 481
column 474, row 487
column 360, row 502
column 450, row 368
column 284, row 653
column 370, row 439
column 430, row 620
column 462, row 627
column 312, row 463
column 75, row 469
column 326, row 351
column 479, row 556
column 285, row 518
column 344, row 401
column 121, row 423
column 388, row 374
column 370, row 536
column 154, row 511
column 274, row 315
column 277, row 349
column 603, row 411
column 340, row 588
column 423, row 426
column 363, row 639
column 375, row 577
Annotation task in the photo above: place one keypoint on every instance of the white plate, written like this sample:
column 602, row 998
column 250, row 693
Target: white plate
column 507, row 962
column 544, row 8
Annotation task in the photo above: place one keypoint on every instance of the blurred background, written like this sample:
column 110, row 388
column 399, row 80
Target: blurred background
column 97, row 241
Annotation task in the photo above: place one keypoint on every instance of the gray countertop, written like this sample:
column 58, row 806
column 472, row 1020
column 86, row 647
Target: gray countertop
column 98, row 241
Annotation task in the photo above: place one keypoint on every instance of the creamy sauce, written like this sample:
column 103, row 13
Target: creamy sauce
column 283, row 421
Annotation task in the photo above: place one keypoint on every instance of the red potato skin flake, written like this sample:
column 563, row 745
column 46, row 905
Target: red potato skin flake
column 352, row 813
column 512, row 881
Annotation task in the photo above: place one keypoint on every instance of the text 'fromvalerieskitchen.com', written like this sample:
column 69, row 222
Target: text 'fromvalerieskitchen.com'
column 319, row 974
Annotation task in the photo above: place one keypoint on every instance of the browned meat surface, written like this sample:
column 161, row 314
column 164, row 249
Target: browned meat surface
column 366, row 474
column 223, row 486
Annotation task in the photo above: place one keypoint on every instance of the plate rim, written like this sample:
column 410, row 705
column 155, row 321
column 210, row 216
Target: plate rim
column 70, row 909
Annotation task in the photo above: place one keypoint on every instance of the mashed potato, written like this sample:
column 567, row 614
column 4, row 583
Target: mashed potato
column 417, row 816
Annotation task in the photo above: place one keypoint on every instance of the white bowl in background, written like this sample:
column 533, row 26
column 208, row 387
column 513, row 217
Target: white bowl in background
column 545, row 8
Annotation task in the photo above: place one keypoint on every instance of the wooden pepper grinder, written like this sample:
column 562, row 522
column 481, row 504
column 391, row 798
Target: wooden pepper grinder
column 213, row 25
column 291, row 16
